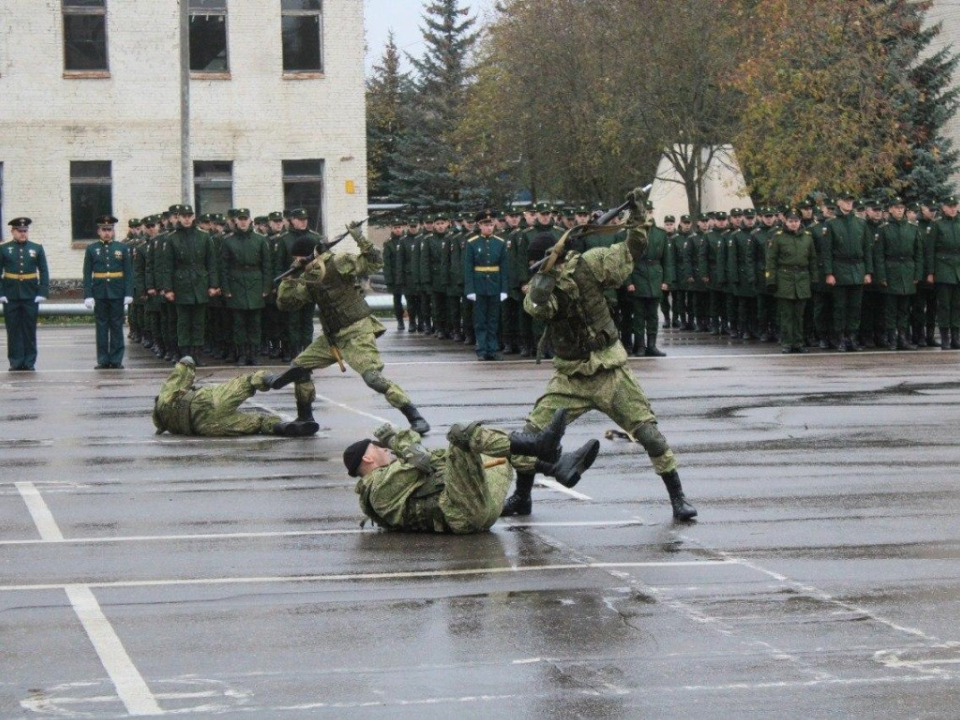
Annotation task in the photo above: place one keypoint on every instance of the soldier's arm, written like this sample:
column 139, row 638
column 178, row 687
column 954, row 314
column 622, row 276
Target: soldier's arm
column 88, row 272
column 44, row 273
column 773, row 249
column 611, row 266
column 293, row 293
column 918, row 258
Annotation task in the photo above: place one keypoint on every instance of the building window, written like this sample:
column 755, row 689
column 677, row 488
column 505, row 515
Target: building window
column 302, row 24
column 208, row 36
column 84, row 35
column 303, row 187
column 213, row 186
column 91, row 195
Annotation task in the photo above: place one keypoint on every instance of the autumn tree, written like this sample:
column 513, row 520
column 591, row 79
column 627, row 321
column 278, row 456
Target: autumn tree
column 823, row 99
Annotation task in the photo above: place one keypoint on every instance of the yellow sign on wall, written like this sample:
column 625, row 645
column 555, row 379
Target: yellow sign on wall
column 351, row 187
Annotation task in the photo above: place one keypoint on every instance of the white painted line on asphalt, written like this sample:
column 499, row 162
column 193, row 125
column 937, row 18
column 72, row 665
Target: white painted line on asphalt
column 289, row 533
column 812, row 591
column 403, row 575
column 551, row 484
column 131, row 688
column 42, row 517
column 377, row 418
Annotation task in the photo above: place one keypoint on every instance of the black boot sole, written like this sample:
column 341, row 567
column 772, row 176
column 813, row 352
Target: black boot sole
column 585, row 457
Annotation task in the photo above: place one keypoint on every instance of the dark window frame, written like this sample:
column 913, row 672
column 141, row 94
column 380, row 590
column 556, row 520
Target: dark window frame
column 301, row 13
column 88, row 9
column 206, row 177
column 217, row 9
column 83, row 228
column 297, row 176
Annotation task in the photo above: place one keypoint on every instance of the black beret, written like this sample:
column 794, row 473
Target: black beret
column 353, row 455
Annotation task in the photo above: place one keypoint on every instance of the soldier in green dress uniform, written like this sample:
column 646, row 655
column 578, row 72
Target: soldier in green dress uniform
column 301, row 242
column 653, row 274
column 410, row 263
column 848, row 262
column 791, row 266
column 190, row 277
column 246, row 283
column 942, row 265
column 898, row 267
column 24, row 284
column 108, row 289
column 392, row 269
column 276, row 322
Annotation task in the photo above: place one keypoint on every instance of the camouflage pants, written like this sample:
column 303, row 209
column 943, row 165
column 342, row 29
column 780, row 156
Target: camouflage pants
column 360, row 353
column 615, row 393
column 473, row 495
column 214, row 409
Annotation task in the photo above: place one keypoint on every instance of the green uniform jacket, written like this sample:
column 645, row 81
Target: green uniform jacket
column 943, row 253
column 392, row 276
column 848, row 250
column 745, row 256
column 246, row 270
column 458, row 245
column 686, row 253
column 485, row 266
column 113, row 261
column 189, row 266
column 791, row 264
column 24, row 259
column 898, row 258
column 653, row 268
column 412, row 245
column 712, row 259
column 431, row 261
column 139, row 260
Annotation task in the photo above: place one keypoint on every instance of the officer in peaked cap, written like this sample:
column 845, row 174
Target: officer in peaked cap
column 24, row 284
column 485, row 283
column 107, row 290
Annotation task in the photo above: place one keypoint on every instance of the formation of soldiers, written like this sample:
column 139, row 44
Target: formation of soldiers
column 205, row 285
column 883, row 268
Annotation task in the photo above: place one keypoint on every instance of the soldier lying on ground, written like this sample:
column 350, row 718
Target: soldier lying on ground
column 184, row 409
column 459, row 490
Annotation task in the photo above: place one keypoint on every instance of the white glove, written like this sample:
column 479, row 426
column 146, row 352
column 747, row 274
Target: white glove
column 88, row 303
column 503, row 296
column 472, row 297
column 38, row 299
column 127, row 300
column 4, row 299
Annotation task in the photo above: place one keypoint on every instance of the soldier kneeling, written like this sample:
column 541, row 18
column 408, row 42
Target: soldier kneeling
column 459, row 490
column 212, row 411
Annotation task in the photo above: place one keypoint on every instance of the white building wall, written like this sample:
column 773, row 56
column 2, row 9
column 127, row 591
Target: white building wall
column 948, row 12
column 256, row 119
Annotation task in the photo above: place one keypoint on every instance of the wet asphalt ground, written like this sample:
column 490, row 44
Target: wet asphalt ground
column 144, row 574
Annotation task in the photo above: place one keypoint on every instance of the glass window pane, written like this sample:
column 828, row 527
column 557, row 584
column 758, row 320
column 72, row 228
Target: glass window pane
column 307, row 195
column 212, row 199
column 88, row 202
column 97, row 169
column 301, row 43
column 286, row 5
column 84, row 3
column 208, row 43
column 85, row 42
column 212, row 169
column 303, row 168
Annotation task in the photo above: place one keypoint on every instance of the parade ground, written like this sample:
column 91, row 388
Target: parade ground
column 148, row 575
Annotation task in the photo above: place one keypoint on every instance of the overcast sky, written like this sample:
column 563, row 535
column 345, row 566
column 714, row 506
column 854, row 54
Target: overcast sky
column 404, row 18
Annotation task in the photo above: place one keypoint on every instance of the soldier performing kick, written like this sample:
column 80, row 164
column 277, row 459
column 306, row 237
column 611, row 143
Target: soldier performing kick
column 212, row 411
column 590, row 372
column 460, row 490
column 349, row 328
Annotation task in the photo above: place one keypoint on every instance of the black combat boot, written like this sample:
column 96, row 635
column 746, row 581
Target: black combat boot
column 413, row 416
column 903, row 342
column 400, row 326
column 637, row 347
column 931, row 338
column 303, row 426
column 241, row 355
column 252, row 355
column 853, row 345
column 543, row 444
column 525, row 351
column 955, row 338
column 682, row 510
column 570, row 467
column 520, row 503
column 944, row 339
column 652, row 349
column 893, row 341
column 290, row 375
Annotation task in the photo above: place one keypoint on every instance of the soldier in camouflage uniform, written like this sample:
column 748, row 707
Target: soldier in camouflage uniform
column 181, row 408
column 329, row 281
column 460, row 490
column 590, row 363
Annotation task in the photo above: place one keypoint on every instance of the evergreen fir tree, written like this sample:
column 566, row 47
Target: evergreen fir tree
column 428, row 168
column 387, row 89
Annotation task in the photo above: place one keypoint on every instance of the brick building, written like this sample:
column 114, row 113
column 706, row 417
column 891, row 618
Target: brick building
column 104, row 109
